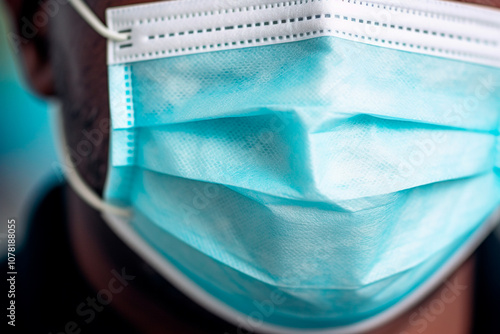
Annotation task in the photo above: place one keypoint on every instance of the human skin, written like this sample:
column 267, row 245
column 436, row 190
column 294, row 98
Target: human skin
column 66, row 59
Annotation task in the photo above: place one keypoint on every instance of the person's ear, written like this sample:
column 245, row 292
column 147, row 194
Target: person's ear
column 28, row 36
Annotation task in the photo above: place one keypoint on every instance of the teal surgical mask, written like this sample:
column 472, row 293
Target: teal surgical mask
column 302, row 166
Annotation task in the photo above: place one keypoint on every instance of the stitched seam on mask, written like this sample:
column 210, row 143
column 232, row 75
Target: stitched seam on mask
column 326, row 32
column 129, row 109
column 303, row 2
column 293, row 3
column 430, row 14
column 326, row 16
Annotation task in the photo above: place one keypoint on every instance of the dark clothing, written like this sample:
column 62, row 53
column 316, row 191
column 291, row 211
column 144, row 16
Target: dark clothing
column 50, row 286
column 487, row 287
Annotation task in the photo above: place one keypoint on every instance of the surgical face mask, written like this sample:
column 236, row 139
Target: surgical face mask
column 302, row 166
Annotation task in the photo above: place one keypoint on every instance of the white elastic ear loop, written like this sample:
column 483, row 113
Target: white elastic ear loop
column 95, row 23
column 76, row 182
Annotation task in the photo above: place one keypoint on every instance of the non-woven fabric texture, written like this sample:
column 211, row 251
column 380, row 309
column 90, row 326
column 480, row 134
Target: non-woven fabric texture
column 337, row 174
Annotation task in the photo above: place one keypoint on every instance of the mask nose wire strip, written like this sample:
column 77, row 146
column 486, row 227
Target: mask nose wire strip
column 78, row 185
column 95, row 23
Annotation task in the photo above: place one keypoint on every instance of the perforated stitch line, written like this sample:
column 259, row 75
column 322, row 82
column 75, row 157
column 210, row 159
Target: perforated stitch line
column 325, row 16
column 213, row 12
column 439, row 16
column 301, row 36
column 302, row 2
column 129, row 109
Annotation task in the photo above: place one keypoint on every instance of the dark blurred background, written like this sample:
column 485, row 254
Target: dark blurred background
column 26, row 144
